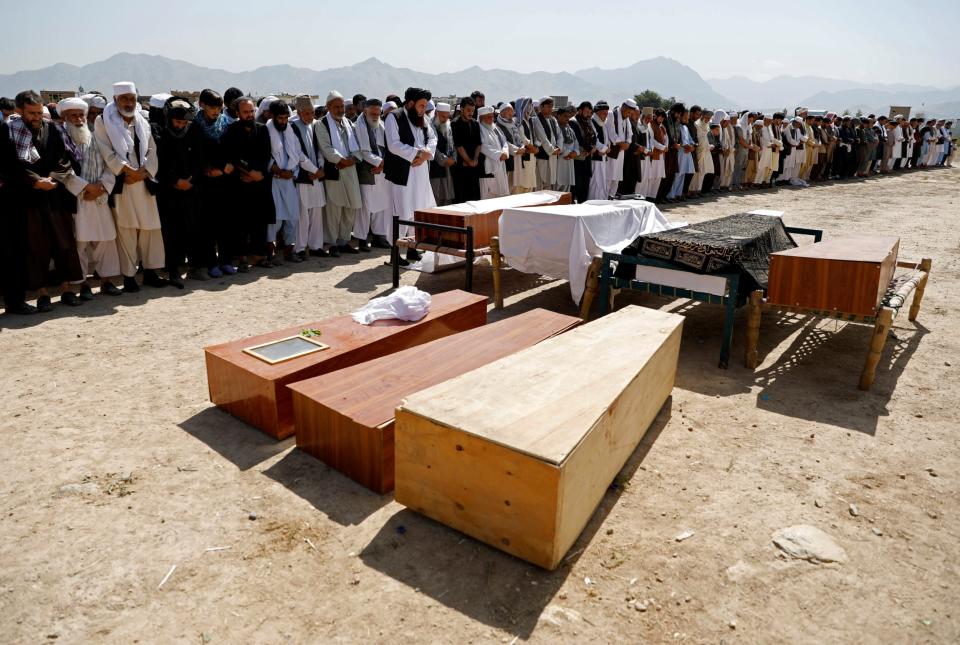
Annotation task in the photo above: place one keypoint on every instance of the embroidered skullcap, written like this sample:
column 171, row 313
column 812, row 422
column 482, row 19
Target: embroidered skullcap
column 484, row 111
column 303, row 102
column 443, row 107
column 545, row 100
column 334, row 94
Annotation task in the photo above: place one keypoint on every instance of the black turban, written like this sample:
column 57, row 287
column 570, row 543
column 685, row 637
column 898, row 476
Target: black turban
column 279, row 107
column 370, row 102
column 415, row 94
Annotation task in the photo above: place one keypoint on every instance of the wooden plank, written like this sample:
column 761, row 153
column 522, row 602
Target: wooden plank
column 256, row 391
column 541, row 432
column 345, row 419
column 849, row 274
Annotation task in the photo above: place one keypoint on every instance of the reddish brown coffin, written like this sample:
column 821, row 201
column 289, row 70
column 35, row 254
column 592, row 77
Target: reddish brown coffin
column 346, row 419
column 844, row 274
column 255, row 391
column 485, row 225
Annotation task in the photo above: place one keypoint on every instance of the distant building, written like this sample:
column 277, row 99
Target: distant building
column 55, row 96
column 560, row 101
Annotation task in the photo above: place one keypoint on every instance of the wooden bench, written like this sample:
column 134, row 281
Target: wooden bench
column 255, row 391
column 519, row 453
column 851, row 279
column 345, row 419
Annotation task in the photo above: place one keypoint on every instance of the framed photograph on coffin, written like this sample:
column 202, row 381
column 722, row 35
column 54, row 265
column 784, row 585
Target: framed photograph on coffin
column 285, row 349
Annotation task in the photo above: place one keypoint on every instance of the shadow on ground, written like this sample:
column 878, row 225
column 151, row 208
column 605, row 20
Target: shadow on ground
column 477, row 580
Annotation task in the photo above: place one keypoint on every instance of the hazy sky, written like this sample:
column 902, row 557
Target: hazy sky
column 874, row 41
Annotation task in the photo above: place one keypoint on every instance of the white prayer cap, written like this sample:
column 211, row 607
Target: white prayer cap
column 485, row 110
column 46, row 113
column 389, row 105
column 334, row 94
column 536, row 104
column 95, row 101
column 124, row 87
column 431, row 106
column 630, row 103
column 443, row 107
column 159, row 100
column 545, row 99
column 347, row 102
column 71, row 103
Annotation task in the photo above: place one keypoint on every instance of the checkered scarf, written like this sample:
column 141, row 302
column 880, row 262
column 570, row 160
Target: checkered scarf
column 24, row 139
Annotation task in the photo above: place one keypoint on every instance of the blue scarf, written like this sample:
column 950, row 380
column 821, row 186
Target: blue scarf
column 213, row 130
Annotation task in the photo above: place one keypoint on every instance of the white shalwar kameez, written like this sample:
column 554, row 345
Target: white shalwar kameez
column 418, row 193
column 139, row 240
column 312, row 196
column 617, row 131
column 376, row 212
column 599, row 186
column 493, row 145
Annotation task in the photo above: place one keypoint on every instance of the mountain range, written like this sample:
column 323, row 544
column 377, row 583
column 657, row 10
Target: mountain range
column 373, row 77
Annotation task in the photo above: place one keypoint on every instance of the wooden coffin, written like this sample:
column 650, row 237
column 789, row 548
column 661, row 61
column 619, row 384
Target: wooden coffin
column 485, row 225
column 255, row 391
column 519, row 453
column 345, row 419
column 844, row 274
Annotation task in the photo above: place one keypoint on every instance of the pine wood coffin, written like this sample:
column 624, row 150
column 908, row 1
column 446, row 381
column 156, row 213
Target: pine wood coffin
column 519, row 453
column 485, row 225
column 844, row 274
column 345, row 419
column 255, row 391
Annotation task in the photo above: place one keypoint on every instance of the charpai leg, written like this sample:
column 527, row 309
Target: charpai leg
column 754, row 312
column 593, row 284
column 925, row 265
column 880, row 331
column 495, row 261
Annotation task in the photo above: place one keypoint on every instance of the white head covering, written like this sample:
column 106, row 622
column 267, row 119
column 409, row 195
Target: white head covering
column 124, row 87
column 265, row 105
column 443, row 107
column 389, row 106
column 630, row 103
column 95, row 101
column 347, row 102
column 159, row 100
column 46, row 113
column 334, row 94
column 718, row 116
column 485, row 110
column 72, row 103
column 431, row 106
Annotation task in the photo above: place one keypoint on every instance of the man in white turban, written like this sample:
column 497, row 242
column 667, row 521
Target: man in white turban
column 91, row 183
column 341, row 152
column 126, row 143
column 496, row 150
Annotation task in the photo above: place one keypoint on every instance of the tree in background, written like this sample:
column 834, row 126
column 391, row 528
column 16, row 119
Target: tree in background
column 649, row 98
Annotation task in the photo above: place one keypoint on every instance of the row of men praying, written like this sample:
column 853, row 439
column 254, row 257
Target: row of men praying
column 232, row 183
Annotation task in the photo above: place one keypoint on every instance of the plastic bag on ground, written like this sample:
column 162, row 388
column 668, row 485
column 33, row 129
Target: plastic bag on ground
column 406, row 303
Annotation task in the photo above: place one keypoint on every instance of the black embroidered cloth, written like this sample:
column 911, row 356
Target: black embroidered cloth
column 740, row 243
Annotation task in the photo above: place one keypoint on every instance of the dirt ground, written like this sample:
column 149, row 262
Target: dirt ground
column 115, row 469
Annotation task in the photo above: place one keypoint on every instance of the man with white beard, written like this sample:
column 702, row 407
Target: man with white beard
column 411, row 144
column 375, row 214
column 91, row 183
column 445, row 157
column 341, row 152
column 309, row 184
column 549, row 140
column 496, row 151
column 126, row 143
column 599, row 185
column 619, row 135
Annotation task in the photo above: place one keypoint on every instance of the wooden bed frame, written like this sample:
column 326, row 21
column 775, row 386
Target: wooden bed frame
column 730, row 301
column 882, row 320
